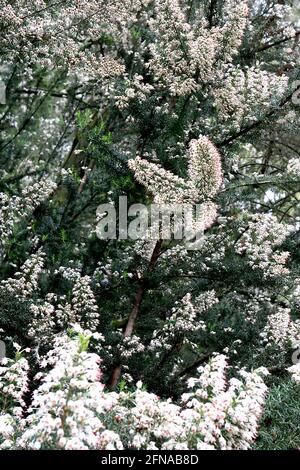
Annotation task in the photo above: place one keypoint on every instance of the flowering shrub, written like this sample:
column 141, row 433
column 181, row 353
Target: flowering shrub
column 13, row 385
column 170, row 102
column 71, row 410
column 294, row 370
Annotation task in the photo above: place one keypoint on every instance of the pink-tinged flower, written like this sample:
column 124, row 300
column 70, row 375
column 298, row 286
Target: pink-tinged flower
column 204, row 167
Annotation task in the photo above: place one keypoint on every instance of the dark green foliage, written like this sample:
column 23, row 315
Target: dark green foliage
column 14, row 314
column 280, row 425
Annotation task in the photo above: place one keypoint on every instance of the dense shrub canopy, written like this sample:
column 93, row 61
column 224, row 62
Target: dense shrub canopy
column 148, row 343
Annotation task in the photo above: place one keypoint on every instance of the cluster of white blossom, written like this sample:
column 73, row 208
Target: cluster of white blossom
column 204, row 167
column 104, row 273
column 186, row 49
column 164, row 185
column 71, row 273
column 281, row 330
column 25, row 282
column 259, row 240
column 42, row 322
column 47, row 317
column 64, row 409
column 56, row 312
column 130, row 346
column 295, row 371
column 293, row 167
column 13, row 383
column 135, row 89
column 13, row 387
column 55, row 35
column 185, row 318
column 204, row 175
column 71, row 410
column 151, row 80
column 246, row 95
column 15, row 208
column 84, row 304
column 211, row 416
column 235, row 21
column 228, row 422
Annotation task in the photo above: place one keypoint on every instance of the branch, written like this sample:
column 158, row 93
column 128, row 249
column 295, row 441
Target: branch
column 142, row 288
column 277, row 43
column 195, row 364
column 256, row 124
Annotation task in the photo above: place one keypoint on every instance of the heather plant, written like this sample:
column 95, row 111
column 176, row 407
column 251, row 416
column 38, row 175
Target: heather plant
column 71, row 410
column 146, row 343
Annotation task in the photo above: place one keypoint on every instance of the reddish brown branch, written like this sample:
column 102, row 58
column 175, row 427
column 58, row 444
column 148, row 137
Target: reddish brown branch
column 142, row 288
